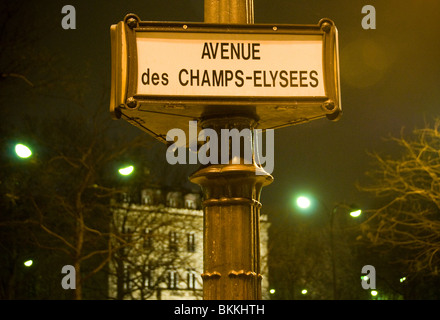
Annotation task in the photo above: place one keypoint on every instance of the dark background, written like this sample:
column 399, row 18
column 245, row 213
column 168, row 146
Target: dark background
column 389, row 80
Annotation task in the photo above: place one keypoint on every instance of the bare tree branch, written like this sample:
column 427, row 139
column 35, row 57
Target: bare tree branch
column 17, row 75
column 410, row 188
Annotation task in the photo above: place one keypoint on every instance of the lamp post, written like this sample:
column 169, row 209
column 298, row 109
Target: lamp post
column 304, row 202
column 231, row 194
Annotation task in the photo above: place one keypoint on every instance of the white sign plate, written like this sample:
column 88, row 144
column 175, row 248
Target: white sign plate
column 216, row 64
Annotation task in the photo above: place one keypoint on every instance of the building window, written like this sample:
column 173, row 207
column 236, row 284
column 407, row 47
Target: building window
column 173, row 241
column 190, row 204
column 148, row 238
column 172, row 279
column 149, row 276
column 128, row 234
column 191, row 244
column 172, row 203
column 147, row 199
column 125, row 197
column 127, row 279
column 148, row 281
column 174, row 199
column 191, row 279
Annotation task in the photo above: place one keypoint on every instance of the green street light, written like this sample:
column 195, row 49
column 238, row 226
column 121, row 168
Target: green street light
column 374, row 293
column 22, row 151
column 356, row 213
column 303, row 202
column 304, row 291
column 126, row 170
column 28, row 263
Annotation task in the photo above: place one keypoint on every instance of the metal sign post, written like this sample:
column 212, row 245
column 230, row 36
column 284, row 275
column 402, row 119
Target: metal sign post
column 225, row 73
column 231, row 198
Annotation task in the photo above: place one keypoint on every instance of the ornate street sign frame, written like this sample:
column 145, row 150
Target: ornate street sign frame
column 157, row 114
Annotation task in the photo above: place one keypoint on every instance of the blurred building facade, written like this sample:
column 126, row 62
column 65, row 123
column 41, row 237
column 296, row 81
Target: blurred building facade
column 158, row 246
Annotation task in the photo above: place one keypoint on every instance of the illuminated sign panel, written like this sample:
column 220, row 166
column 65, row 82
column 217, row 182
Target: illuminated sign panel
column 165, row 74
column 240, row 65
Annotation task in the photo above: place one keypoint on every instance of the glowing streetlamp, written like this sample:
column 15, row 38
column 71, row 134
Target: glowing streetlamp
column 28, row 263
column 303, row 202
column 356, row 213
column 22, row 151
column 126, row 170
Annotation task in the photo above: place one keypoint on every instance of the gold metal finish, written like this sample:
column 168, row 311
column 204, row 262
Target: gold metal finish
column 231, row 223
column 229, row 11
column 231, row 198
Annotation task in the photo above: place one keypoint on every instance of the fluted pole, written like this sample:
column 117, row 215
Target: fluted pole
column 231, row 195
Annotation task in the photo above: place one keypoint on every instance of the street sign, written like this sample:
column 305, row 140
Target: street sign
column 233, row 65
column 165, row 74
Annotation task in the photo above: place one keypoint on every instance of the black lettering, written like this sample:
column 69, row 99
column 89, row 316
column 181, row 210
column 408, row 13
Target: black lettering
column 155, row 79
column 293, row 78
column 315, row 84
column 229, row 75
column 301, row 78
column 224, row 50
column 236, row 50
column 180, row 77
column 165, row 79
column 264, row 80
column 229, row 50
column 257, row 78
column 217, row 80
column 274, row 76
column 214, row 52
column 239, row 76
column 206, row 51
column 194, row 76
column 147, row 76
column 248, row 51
column 283, row 77
column 205, row 79
column 255, row 51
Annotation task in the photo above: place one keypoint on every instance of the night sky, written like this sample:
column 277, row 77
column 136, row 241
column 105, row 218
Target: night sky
column 389, row 80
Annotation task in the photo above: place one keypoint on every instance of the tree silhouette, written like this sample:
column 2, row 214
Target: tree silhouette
column 409, row 190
